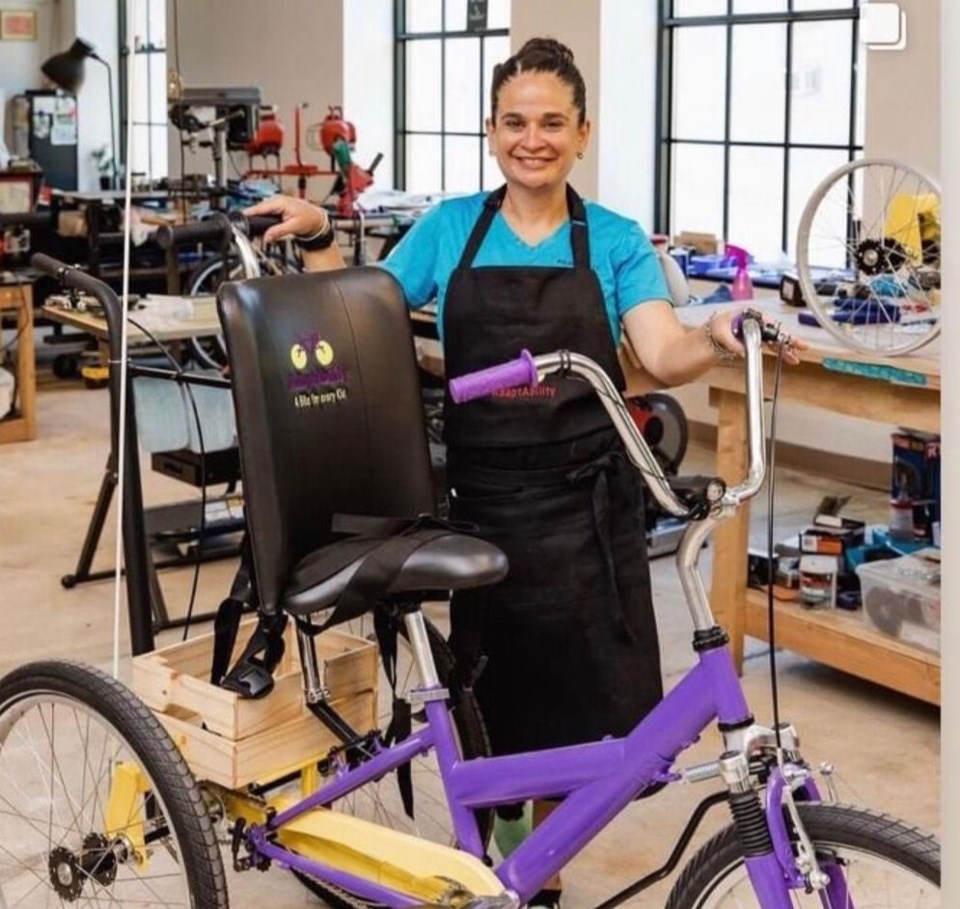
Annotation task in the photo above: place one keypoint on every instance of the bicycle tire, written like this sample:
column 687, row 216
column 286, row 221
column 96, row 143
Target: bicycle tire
column 841, row 830
column 474, row 742
column 68, row 696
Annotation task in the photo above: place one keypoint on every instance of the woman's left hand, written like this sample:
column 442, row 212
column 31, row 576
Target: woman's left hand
column 721, row 327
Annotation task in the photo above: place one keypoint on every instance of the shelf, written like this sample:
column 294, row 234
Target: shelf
column 17, row 301
column 842, row 640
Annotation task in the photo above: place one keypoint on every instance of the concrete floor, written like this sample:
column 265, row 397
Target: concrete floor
column 878, row 740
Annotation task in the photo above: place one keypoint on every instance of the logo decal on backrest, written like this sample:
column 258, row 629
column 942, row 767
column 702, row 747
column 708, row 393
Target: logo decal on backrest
column 317, row 380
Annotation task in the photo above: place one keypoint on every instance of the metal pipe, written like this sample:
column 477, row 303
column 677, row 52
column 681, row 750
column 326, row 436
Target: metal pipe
column 420, row 644
column 248, row 256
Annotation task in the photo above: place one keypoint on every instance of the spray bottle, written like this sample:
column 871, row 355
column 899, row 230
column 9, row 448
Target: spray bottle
column 742, row 288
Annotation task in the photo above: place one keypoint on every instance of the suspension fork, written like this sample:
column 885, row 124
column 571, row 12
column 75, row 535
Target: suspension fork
column 762, row 862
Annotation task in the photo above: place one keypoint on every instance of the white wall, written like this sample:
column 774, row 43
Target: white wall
column 950, row 631
column 577, row 24
column 20, row 61
column 292, row 51
column 903, row 93
column 96, row 22
column 58, row 23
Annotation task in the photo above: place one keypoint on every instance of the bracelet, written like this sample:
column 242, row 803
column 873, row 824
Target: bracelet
column 719, row 350
column 322, row 239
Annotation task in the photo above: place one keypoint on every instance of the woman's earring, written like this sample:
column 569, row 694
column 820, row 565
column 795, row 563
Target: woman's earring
column 580, row 155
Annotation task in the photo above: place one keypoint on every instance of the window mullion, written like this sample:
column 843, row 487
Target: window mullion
column 727, row 105
column 787, row 109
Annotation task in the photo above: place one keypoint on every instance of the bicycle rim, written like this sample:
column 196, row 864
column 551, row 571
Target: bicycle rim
column 876, row 225
column 67, row 834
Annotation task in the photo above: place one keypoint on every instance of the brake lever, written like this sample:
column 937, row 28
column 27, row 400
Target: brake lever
column 770, row 332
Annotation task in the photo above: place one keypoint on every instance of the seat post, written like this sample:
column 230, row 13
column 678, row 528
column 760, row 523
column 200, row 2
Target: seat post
column 314, row 681
column 420, row 644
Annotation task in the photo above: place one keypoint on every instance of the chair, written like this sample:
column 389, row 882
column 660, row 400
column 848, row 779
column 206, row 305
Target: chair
column 332, row 439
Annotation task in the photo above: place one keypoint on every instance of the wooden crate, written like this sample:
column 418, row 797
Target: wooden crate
column 234, row 741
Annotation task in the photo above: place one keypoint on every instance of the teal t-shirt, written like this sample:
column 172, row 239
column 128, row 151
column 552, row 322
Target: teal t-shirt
column 621, row 255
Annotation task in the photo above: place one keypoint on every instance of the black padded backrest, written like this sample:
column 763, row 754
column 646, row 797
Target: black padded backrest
column 329, row 409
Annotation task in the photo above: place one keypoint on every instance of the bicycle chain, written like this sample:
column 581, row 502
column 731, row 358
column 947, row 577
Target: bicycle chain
column 345, row 897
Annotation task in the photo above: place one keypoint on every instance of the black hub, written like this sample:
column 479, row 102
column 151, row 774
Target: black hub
column 66, row 875
column 99, row 859
column 69, row 870
column 874, row 257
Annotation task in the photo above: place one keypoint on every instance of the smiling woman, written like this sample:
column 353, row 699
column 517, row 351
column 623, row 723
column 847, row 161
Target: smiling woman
column 567, row 642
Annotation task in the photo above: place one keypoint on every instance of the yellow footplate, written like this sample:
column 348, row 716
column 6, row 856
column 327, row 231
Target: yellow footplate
column 420, row 868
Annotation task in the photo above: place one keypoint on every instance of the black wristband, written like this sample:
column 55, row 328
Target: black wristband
column 323, row 239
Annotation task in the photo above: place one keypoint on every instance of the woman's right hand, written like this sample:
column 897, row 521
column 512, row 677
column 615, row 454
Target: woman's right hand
column 298, row 217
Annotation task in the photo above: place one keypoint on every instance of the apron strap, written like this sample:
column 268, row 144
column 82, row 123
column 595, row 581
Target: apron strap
column 579, row 240
column 491, row 205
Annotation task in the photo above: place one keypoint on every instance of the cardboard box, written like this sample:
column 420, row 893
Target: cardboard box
column 703, row 243
column 235, row 741
column 916, row 477
column 832, row 535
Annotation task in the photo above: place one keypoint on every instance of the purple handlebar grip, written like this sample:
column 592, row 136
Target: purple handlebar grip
column 522, row 371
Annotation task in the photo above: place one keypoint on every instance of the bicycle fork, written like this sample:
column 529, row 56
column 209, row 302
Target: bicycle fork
column 777, row 862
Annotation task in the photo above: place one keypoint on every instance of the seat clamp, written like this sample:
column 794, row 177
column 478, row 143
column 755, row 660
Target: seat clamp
column 423, row 695
column 318, row 695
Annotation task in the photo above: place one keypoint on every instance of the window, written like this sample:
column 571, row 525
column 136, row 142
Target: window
column 759, row 101
column 145, row 37
column 443, row 94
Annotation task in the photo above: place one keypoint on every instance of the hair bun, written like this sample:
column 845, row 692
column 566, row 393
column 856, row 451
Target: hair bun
column 548, row 47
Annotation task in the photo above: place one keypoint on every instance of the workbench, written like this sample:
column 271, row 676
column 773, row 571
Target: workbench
column 17, row 298
column 903, row 391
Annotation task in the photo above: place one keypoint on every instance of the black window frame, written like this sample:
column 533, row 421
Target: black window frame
column 402, row 39
column 667, row 26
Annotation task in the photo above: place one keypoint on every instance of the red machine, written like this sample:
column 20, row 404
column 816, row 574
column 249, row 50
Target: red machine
column 335, row 136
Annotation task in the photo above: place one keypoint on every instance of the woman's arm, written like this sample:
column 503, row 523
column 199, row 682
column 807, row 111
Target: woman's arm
column 300, row 218
column 675, row 354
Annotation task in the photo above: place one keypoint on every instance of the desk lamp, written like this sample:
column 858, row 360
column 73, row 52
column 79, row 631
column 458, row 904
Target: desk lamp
column 67, row 70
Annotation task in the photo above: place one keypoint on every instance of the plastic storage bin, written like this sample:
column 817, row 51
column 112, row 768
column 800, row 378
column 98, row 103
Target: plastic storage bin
column 901, row 598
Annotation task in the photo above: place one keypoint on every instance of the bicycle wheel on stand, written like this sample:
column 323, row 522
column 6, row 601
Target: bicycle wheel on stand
column 885, row 863
column 868, row 256
column 98, row 806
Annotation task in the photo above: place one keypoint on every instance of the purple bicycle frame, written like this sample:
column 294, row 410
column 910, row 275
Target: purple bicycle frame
column 597, row 781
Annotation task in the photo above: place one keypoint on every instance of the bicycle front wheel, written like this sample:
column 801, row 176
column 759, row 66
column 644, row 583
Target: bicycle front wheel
column 886, row 863
column 97, row 807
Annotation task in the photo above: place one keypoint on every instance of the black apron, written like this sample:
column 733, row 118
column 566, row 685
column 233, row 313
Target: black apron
column 567, row 642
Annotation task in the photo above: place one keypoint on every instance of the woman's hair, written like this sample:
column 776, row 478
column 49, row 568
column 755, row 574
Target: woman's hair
column 541, row 55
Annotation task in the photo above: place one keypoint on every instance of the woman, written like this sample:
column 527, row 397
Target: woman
column 566, row 646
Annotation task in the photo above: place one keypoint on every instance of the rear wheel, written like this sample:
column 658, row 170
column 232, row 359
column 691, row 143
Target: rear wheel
column 885, row 863
column 97, row 807
column 380, row 801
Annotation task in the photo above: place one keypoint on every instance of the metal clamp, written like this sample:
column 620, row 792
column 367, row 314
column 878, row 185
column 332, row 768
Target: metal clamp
column 416, row 696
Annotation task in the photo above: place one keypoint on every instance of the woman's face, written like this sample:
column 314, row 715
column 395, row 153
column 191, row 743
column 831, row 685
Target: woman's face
column 536, row 136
